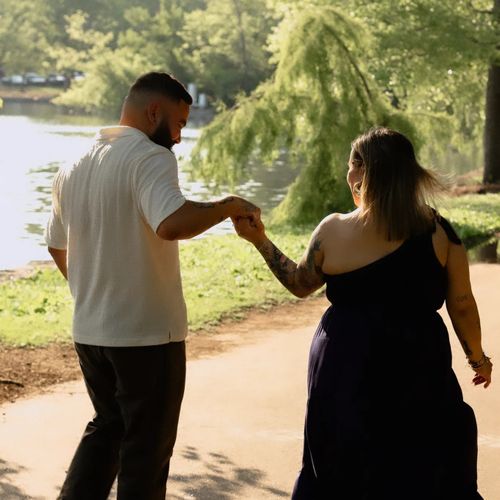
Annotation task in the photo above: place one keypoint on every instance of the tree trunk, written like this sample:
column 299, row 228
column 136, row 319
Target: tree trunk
column 243, row 44
column 492, row 125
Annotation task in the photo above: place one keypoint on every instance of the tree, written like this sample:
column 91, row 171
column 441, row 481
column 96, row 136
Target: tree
column 225, row 46
column 220, row 47
column 319, row 99
column 343, row 67
column 112, row 62
column 445, row 65
column 492, row 125
column 25, row 35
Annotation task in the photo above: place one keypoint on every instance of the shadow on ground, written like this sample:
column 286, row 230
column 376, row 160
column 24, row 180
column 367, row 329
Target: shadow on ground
column 9, row 491
column 221, row 479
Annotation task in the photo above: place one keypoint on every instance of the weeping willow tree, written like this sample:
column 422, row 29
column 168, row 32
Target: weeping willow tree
column 318, row 100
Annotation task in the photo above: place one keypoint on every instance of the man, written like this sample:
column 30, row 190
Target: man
column 117, row 215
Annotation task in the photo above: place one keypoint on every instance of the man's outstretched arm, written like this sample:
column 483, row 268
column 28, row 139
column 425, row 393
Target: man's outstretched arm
column 194, row 217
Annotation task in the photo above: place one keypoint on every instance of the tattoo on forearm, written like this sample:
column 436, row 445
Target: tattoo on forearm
column 294, row 277
column 202, row 204
column 281, row 266
column 462, row 298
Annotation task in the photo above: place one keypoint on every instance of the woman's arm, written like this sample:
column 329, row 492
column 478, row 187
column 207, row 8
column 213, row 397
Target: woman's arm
column 301, row 279
column 463, row 312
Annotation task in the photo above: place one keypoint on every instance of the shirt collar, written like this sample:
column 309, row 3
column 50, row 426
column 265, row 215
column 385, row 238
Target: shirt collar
column 116, row 131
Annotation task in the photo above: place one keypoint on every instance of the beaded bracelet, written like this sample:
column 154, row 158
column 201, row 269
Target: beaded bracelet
column 480, row 362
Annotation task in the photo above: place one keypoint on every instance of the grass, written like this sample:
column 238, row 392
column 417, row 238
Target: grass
column 223, row 276
column 475, row 217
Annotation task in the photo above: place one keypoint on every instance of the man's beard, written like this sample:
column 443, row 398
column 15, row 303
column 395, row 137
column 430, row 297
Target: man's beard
column 162, row 135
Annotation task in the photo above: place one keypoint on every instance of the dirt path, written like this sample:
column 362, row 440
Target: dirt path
column 240, row 434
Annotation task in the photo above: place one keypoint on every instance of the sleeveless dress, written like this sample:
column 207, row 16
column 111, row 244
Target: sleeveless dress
column 385, row 417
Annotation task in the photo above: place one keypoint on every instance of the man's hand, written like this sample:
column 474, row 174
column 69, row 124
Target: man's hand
column 240, row 208
column 250, row 228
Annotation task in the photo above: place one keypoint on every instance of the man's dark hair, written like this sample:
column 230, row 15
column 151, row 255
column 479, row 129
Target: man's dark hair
column 160, row 83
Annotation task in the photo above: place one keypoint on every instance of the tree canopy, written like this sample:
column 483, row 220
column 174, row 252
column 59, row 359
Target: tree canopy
column 219, row 45
column 343, row 67
column 300, row 79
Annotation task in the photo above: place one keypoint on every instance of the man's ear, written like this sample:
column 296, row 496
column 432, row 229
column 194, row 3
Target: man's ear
column 153, row 113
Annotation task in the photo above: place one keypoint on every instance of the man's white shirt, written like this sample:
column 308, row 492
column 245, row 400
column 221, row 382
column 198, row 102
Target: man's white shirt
column 124, row 279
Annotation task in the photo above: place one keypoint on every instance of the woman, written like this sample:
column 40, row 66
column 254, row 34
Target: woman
column 385, row 414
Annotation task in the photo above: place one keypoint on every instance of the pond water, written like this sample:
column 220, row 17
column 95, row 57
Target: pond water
column 37, row 139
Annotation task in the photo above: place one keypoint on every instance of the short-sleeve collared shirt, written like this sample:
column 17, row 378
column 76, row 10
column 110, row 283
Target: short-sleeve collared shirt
column 124, row 279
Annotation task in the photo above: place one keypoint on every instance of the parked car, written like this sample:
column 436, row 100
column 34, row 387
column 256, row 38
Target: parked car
column 78, row 76
column 34, row 79
column 13, row 80
column 56, row 80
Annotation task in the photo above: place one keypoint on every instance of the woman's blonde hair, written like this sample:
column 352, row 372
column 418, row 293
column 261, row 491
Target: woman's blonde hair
column 395, row 190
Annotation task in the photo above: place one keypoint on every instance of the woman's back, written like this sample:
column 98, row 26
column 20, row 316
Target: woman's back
column 350, row 243
column 380, row 368
column 385, row 413
column 362, row 267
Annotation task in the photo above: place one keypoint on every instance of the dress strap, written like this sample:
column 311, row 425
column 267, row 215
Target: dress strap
column 448, row 228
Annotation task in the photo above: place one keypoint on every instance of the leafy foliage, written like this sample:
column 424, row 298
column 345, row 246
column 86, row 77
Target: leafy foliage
column 320, row 98
column 225, row 46
column 219, row 45
column 474, row 217
column 343, row 67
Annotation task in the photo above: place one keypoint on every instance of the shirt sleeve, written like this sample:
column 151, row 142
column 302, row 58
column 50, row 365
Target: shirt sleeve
column 55, row 234
column 157, row 188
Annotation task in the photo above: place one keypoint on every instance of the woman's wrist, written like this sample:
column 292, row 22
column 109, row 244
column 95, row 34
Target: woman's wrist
column 261, row 242
column 478, row 361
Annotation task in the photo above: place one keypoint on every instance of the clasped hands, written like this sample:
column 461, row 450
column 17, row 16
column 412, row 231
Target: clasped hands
column 247, row 222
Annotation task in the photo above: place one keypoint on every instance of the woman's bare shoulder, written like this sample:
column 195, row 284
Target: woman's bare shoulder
column 334, row 226
column 339, row 219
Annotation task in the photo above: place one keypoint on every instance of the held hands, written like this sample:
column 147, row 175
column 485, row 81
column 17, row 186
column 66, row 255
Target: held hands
column 250, row 228
column 239, row 207
column 246, row 219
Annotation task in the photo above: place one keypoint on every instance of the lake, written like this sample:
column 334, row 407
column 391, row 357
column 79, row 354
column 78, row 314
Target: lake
column 37, row 139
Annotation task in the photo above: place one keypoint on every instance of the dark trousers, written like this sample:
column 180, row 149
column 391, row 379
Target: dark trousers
column 136, row 393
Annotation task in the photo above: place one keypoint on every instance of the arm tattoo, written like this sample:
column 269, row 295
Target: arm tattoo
column 281, row 266
column 202, row 204
column 296, row 278
column 212, row 204
column 311, row 263
column 462, row 298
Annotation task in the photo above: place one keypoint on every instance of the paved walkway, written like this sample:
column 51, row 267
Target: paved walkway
column 240, row 433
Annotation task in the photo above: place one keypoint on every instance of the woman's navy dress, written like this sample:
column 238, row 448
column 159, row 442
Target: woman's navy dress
column 385, row 415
